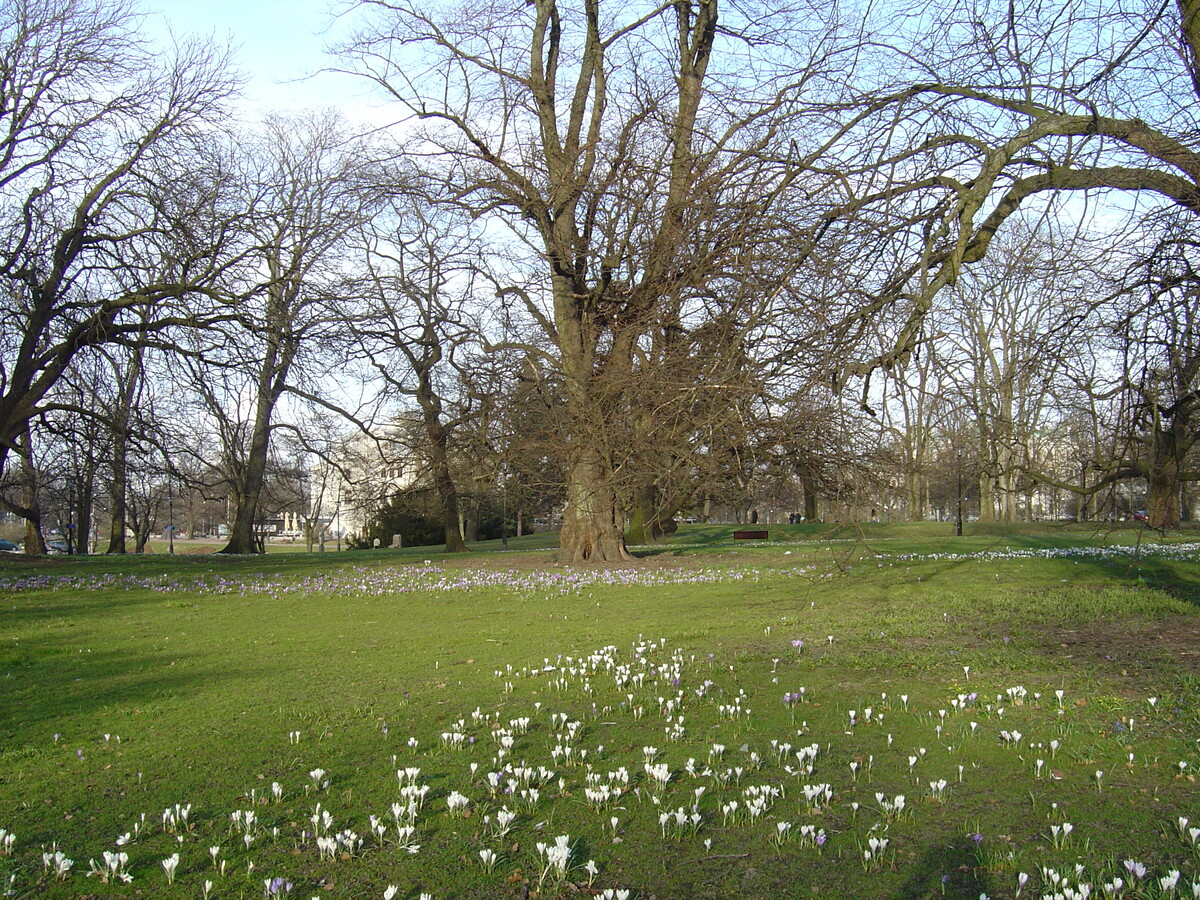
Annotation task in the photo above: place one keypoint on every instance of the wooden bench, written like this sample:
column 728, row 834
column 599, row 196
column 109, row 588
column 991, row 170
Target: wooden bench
column 750, row 535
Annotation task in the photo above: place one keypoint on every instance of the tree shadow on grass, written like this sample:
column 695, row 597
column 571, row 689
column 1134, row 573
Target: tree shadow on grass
column 1141, row 565
column 1180, row 580
column 79, row 605
column 47, row 680
column 720, row 537
column 945, row 870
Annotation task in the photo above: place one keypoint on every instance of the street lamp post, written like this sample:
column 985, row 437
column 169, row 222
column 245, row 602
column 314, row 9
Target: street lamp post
column 958, row 521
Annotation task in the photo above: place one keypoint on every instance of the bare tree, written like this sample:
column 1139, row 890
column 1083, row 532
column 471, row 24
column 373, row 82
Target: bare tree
column 148, row 487
column 637, row 159
column 302, row 200
column 1009, row 333
column 94, row 125
column 21, row 490
column 410, row 324
column 128, row 371
column 690, row 381
column 996, row 107
column 911, row 414
column 1158, row 381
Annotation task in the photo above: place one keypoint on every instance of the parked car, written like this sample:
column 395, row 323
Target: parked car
column 57, row 546
column 9, row 547
column 1140, row 516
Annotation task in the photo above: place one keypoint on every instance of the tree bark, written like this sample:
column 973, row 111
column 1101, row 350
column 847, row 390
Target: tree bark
column 592, row 528
column 120, row 452
column 447, row 493
column 1162, row 496
column 1172, row 436
column 35, row 544
column 31, row 497
column 116, row 529
column 640, row 530
column 644, row 525
column 83, row 519
column 593, row 523
column 430, row 402
column 273, row 376
column 241, row 530
column 811, row 510
column 915, row 509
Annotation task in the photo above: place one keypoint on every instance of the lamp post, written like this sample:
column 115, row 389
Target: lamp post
column 958, row 521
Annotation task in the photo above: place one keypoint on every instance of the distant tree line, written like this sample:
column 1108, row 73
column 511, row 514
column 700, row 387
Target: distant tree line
column 612, row 267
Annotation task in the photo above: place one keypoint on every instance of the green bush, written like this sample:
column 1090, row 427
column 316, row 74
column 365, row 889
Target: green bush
column 413, row 515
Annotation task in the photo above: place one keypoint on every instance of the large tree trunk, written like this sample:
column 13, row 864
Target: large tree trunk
column 1168, row 447
column 915, row 510
column 439, row 446
column 448, row 497
column 470, row 521
column 83, row 521
column 649, row 523
column 987, row 498
column 592, row 528
column 242, row 538
column 120, row 484
column 1162, row 496
column 30, row 507
column 641, row 528
column 35, row 544
column 241, row 529
column 811, row 508
column 278, row 353
column 593, row 525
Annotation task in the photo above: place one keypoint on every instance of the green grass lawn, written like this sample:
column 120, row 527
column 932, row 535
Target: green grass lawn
column 1036, row 705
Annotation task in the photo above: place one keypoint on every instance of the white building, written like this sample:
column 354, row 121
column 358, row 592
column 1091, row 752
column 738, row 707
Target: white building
column 362, row 472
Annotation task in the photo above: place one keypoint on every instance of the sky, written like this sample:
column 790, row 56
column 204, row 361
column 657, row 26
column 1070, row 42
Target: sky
column 277, row 45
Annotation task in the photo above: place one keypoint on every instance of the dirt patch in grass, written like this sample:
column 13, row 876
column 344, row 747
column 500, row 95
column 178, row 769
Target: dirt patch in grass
column 1134, row 648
